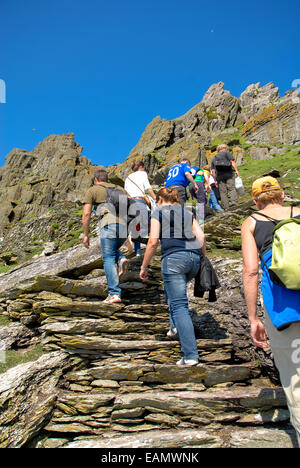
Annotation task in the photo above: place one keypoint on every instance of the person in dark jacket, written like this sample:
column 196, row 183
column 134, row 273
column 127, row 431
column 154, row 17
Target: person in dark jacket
column 223, row 167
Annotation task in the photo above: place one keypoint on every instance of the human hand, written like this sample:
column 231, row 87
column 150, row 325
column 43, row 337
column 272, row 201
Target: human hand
column 86, row 242
column 144, row 274
column 258, row 334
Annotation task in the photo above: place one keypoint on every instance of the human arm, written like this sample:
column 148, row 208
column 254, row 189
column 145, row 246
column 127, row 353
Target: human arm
column 250, row 282
column 152, row 193
column 214, row 174
column 151, row 247
column 208, row 186
column 190, row 178
column 86, row 219
column 234, row 165
column 199, row 234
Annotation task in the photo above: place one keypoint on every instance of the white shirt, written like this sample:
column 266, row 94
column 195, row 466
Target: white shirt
column 141, row 180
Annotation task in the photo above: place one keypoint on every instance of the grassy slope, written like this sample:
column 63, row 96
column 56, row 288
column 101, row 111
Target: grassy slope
column 288, row 166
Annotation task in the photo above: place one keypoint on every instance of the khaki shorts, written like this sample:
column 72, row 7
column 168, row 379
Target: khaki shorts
column 285, row 346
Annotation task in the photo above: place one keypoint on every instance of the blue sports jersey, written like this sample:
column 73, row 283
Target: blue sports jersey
column 194, row 170
column 176, row 175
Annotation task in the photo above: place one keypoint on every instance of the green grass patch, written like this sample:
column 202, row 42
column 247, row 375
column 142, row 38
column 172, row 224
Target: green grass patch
column 213, row 253
column 77, row 212
column 287, row 164
column 4, row 321
column 5, row 268
column 14, row 358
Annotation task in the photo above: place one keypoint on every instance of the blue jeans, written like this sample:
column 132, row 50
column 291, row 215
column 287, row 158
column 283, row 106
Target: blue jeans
column 110, row 242
column 177, row 269
column 213, row 201
column 143, row 218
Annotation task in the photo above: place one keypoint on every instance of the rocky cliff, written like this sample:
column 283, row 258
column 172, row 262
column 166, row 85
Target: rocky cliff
column 258, row 117
column 41, row 191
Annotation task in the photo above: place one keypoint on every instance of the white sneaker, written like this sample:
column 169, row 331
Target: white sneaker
column 172, row 332
column 112, row 299
column 187, row 362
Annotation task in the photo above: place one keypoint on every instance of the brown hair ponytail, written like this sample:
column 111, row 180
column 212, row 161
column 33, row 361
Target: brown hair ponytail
column 168, row 195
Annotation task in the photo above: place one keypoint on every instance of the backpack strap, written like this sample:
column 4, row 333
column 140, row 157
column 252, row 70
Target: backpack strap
column 268, row 217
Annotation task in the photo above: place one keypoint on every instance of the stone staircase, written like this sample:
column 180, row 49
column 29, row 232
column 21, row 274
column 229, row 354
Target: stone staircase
column 123, row 388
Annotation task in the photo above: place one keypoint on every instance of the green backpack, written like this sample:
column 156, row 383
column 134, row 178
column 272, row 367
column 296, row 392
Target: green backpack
column 285, row 267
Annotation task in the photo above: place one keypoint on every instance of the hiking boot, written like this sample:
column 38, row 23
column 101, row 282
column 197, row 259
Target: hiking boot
column 187, row 362
column 112, row 299
column 123, row 267
column 172, row 332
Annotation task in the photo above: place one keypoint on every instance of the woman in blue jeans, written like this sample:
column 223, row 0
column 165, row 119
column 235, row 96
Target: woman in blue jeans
column 182, row 244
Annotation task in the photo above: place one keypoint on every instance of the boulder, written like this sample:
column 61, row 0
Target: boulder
column 74, row 261
column 27, row 397
column 259, row 153
column 16, row 335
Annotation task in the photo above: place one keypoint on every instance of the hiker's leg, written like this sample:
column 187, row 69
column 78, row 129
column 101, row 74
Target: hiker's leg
column 172, row 323
column 192, row 191
column 201, row 203
column 285, row 345
column 109, row 247
column 213, row 202
column 137, row 248
column 232, row 191
column 175, row 270
column 182, row 194
column 144, row 219
column 200, row 213
column 223, row 194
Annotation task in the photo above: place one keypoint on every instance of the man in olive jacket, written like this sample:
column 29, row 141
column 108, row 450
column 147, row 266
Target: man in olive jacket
column 113, row 233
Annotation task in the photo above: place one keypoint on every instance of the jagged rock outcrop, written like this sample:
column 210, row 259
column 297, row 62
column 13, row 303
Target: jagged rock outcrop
column 53, row 172
column 255, row 98
column 275, row 125
column 222, row 106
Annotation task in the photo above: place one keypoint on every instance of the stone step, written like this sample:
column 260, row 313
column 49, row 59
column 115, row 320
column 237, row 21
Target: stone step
column 149, row 374
column 153, row 439
column 129, row 347
column 115, row 413
column 117, row 329
column 65, row 307
column 249, row 438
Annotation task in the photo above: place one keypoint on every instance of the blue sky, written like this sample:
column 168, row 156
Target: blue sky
column 104, row 70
